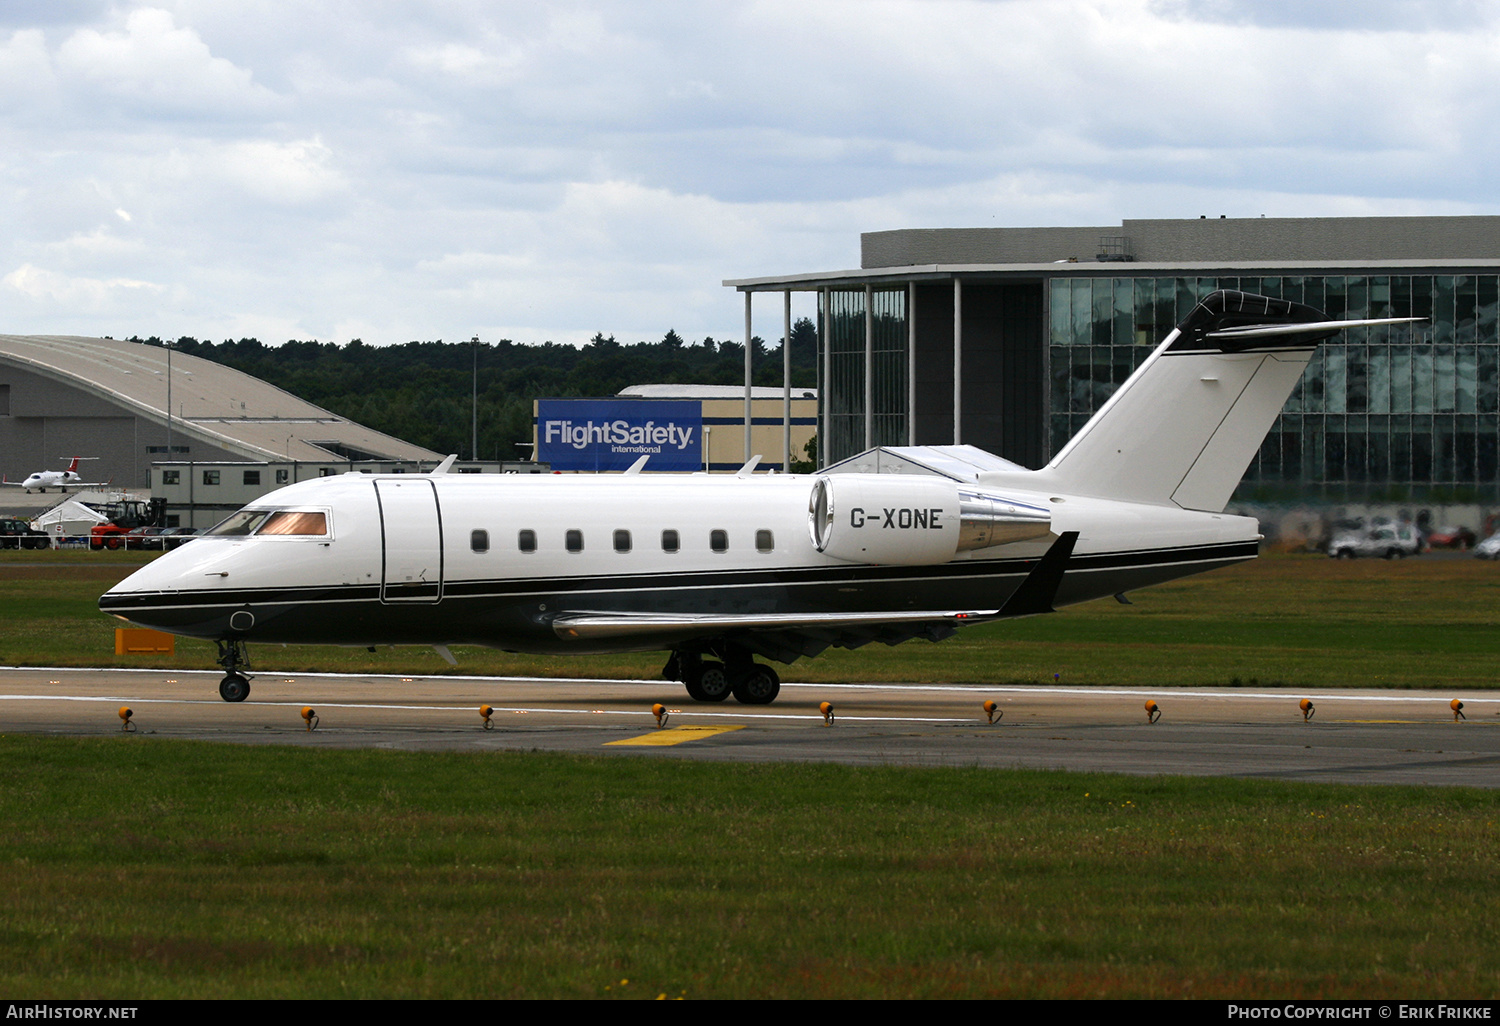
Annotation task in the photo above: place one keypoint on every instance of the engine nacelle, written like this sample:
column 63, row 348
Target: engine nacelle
column 901, row 520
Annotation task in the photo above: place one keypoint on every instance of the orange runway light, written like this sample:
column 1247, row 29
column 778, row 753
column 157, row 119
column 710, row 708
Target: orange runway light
column 1153, row 712
column 125, row 713
column 826, row 708
column 486, row 712
column 660, row 712
column 310, row 717
column 1307, row 709
column 1458, row 710
column 993, row 711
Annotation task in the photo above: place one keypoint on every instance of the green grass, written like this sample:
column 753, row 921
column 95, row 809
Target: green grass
column 1297, row 620
column 139, row 868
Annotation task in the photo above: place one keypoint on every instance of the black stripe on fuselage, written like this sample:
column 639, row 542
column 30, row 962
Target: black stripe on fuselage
column 779, row 577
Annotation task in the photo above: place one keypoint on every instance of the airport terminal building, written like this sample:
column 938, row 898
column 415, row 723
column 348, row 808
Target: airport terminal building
column 1011, row 338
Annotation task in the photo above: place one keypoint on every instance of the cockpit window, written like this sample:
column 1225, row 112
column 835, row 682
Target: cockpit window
column 288, row 522
column 241, row 523
column 264, row 522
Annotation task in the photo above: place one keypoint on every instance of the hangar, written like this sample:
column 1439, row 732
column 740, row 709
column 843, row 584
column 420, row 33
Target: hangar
column 1011, row 338
column 131, row 405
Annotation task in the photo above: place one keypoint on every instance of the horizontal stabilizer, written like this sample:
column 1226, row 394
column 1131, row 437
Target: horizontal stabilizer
column 1266, row 330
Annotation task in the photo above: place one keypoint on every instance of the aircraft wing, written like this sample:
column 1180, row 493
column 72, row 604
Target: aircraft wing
column 785, row 636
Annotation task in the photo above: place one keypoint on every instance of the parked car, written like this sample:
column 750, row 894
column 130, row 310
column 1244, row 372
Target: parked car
column 1451, row 536
column 173, row 537
column 1489, row 548
column 1391, row 541
column 144, row 538
column 16, row 533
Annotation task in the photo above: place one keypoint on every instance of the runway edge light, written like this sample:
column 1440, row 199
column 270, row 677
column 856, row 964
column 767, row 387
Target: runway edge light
column 1307, row 709
column 310, row 717
column 1153, row 712
column 1458, row 710
column 993, row 711
column 486, row 712
column 125, row 713
column 826, row 708
column 660, row 712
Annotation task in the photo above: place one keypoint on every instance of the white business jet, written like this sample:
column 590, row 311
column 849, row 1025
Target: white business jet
column 62, row 480
column 719, row 569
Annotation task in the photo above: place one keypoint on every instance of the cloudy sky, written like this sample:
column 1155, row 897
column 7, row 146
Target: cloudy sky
column 335, row 169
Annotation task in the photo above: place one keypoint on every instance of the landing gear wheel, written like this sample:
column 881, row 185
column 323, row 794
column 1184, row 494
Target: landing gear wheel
column 709, row 683
column 234, row 688
column 759, row 685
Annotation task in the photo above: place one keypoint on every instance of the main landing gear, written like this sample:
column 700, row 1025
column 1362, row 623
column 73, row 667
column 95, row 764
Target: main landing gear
column 235, row 687
column 708, row 680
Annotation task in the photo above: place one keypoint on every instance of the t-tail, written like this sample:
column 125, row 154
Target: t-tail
column 1183, row 428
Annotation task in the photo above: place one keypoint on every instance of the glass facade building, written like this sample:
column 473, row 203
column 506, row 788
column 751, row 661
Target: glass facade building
column 1010, row 340
column 1391, row 412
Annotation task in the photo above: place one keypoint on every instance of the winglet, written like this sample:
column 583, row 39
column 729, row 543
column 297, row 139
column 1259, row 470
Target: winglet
column 749, row 467
column 445, row 466
column 638, row 465
column 1037, row 592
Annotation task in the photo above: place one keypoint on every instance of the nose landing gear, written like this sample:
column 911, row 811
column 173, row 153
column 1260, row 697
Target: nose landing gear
column 235, row 687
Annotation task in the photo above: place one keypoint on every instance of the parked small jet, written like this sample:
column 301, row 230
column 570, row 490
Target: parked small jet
column 719, row 569
column 62, row 480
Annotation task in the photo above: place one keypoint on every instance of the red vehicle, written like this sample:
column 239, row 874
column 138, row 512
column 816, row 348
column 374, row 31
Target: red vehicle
column 124, row 519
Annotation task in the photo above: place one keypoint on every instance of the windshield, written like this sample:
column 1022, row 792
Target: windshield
column 288, row 522
column 243, row 522
column 265, row 522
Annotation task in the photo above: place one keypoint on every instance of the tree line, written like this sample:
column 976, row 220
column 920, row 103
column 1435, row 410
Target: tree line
column 421, row 391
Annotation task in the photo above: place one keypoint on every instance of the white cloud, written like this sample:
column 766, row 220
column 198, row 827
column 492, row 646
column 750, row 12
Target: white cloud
column 426, row 170
column 157, row 68
column 61, row 290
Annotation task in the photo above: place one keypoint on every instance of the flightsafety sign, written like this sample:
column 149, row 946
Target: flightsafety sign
column 611, row 434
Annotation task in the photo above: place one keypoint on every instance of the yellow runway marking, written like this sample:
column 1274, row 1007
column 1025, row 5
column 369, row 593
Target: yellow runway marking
column 677, row 735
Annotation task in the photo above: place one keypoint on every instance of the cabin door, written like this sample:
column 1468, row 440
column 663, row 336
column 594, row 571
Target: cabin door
column 411, row 532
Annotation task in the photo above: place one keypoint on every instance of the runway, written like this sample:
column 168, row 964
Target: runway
column 1384, row 737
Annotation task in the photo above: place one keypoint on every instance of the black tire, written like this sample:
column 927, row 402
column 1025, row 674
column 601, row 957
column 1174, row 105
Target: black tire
column 757, row 686
column 234, row 688
column 709, row 683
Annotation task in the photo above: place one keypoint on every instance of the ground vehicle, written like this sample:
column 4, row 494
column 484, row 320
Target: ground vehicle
column 16, row 533
column 1489, row 548
column 1389, row 541
column 145, row 538
column 1451, row 536
column 174, row 537
column 124, row 517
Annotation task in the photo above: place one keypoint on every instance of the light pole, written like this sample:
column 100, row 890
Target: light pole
column 474, row 445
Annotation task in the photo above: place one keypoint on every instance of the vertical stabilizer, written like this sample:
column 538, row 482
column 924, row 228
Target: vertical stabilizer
column 1184, row 427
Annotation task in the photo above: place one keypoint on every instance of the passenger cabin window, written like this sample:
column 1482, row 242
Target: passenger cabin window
column 622, row 541
column 669, row 542
column 764, row 542
column 526, row 541
column 575, row 541
column 718, row 541
column 479, row 541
